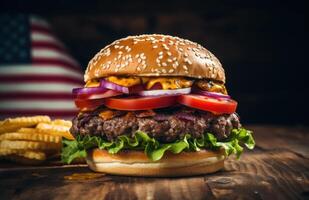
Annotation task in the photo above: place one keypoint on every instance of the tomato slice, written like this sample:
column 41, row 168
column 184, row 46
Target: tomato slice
column 140, row 103
column 215, row 105
column 88, row 104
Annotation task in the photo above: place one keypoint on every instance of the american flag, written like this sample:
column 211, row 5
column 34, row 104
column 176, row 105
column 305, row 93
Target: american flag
column 37, row 73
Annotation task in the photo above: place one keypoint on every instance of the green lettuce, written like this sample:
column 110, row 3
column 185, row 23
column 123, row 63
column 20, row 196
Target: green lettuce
column 73, row 149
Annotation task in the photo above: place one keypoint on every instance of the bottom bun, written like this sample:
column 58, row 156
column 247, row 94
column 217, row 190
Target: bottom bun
column 136, row 163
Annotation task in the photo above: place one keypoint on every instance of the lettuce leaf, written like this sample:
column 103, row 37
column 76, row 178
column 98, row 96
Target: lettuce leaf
column 155, row 150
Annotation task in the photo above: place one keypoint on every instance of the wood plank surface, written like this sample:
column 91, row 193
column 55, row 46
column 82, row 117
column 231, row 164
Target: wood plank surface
column 278, row 168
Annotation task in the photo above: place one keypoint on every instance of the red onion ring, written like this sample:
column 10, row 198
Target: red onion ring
column 210, row 94
column 147, row 93
column 93, row 93
column 127, row 90
column 80, row 92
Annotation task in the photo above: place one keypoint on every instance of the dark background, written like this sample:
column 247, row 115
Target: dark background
column 261, row 44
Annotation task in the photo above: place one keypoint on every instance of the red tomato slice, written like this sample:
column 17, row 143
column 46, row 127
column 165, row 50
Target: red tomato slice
column 215, row 105
column 88, row 104
column 140, row 103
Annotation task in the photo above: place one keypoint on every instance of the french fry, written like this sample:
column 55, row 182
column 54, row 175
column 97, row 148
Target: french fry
column 31, row 137
column 13, row 124
column 23, row 156
column 63, row 131
column 38, row 155
column 29, row 145
column 54, row 127
column 66, row 134
column 62, row 122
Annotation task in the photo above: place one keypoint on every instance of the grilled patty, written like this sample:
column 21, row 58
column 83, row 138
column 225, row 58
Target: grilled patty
column 165, row 125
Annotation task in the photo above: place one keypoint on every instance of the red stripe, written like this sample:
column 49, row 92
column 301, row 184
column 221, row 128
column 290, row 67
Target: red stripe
column 41, row 29
column 39, row 78
column 48, row 45
column 65, row 113
column 35, row 96
column 50, row 61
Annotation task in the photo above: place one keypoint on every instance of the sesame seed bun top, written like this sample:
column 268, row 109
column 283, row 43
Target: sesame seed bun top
column 155, row 55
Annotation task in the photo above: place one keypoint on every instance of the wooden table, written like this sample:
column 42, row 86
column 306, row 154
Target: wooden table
column 278, row 168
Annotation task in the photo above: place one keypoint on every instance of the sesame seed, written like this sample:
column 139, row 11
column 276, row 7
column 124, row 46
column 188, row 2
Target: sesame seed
column 139, row 60
column 170, row 71
column 120, row 52
column 169, row 53
column 164, row 70
column 188, row 61
column 156, row 46
column 116, row 46
column 160, row 57
column 135, row 42
column 169, row 60
column 180, row 49
column 137, row 55
column 161, row 53
column 174, row 59
column 164, row 64
column 185, row 67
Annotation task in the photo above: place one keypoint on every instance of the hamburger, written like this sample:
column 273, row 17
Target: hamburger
column 155, row 105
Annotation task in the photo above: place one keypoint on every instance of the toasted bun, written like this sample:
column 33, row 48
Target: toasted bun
column 155, row 55
column 136, row 163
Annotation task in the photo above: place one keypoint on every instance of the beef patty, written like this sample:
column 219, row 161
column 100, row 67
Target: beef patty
column 165, row 125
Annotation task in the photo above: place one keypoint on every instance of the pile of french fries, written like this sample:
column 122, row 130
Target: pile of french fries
column 32, row 140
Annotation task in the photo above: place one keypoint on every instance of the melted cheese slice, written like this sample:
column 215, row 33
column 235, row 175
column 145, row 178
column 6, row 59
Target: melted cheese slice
column 92, row 84
column 211, row 86
column 170, row 83
column 167, row 83
column 124, row 81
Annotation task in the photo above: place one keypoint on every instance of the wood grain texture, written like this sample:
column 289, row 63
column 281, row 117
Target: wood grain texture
column 271, row 171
